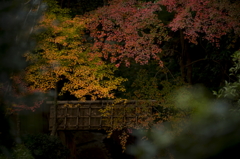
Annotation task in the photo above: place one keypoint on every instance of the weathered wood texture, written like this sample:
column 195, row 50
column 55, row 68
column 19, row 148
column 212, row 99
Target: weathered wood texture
column 76, row 115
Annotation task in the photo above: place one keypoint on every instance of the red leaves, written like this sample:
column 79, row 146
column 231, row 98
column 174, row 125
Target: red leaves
column 19, row 96
column 127, row 30
column 213, row 18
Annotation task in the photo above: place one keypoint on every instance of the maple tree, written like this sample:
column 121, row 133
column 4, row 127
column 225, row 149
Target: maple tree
column 209, row 19
column 61, row 53
column 121, row 32
column 203, row 25
column 126, row 30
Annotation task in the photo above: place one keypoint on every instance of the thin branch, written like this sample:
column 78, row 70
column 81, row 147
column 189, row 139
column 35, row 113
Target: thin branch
column 27, row 2
column 196, row 61
column 170, row 72
column 166, row 75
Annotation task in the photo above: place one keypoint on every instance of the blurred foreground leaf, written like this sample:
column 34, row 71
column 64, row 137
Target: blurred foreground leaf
column 210, row 131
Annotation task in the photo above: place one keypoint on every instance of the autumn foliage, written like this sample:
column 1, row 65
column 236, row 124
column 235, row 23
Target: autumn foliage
column 62, row 54
column 209, row 20
column 85, row 51
column 127, row 30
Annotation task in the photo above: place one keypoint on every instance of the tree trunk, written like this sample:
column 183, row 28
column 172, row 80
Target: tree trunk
column 105, row 2
column 54, row 128
column 62, row 3
column 182, row 56
column 68, row 3
column 189, row 68
column 18, row 124
column 185, row 60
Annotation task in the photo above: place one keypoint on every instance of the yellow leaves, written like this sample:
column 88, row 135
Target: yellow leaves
column 88, row 84
column 60, row 39
column 62, row 52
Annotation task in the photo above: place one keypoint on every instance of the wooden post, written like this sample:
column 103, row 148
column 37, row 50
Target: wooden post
column 54, row 124
column 18, row 124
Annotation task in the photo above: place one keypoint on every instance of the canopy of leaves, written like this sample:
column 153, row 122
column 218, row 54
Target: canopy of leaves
column 62, row 54
column 127, row 30
column 212, row 18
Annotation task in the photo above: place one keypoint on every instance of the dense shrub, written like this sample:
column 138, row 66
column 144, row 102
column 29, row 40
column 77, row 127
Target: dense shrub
column 43, row 146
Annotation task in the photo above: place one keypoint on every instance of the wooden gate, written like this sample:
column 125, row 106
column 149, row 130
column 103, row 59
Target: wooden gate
column 76, row 115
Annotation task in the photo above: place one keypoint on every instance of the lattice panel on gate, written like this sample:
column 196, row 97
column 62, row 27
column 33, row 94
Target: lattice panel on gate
column 75, row 115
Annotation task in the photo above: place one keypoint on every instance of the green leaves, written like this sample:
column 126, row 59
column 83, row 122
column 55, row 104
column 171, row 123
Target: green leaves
column 45, row 146
column 231, row 90
column 236, row 66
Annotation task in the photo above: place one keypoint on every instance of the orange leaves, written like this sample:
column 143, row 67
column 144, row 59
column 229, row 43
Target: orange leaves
column 97, row 81
column 63, row 52
column 61, row 40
